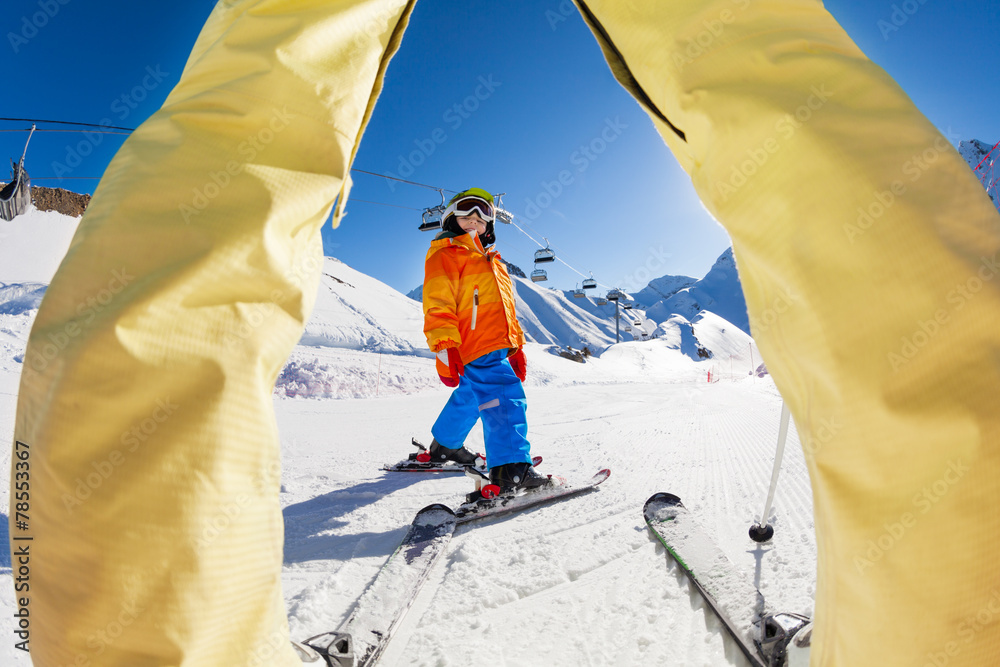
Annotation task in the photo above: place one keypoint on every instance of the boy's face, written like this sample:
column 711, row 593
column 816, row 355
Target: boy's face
column 471, row 223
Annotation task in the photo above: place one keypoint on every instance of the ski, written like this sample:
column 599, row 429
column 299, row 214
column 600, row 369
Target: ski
column 506, row 504
column 360, row 640
column 736, row 601
column 763, row 637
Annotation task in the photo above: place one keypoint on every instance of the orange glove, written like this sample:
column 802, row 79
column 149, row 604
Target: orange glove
column 519, row 364
column 449, row 366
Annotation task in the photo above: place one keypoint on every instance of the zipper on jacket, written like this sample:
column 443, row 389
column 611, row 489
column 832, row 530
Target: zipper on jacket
column 475, row 306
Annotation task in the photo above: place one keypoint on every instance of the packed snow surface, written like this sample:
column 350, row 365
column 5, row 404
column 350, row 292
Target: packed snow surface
column 577, row 582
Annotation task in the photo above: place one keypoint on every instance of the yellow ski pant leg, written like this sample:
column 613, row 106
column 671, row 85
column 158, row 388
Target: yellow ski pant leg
column 147, row 452
column 868, row 253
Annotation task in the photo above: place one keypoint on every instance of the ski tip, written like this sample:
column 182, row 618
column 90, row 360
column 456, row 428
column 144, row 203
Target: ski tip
column 662, row 498
column 436, row 507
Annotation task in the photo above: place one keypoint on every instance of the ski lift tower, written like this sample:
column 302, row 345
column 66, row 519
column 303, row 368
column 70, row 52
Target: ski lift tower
column 614, row 295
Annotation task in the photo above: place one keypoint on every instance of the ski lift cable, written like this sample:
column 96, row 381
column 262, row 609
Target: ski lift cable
column 365, row 201
column 132, row 129
column 66, row 178
column 558, row 258
column 66, row 122
column 28, row 129
column 403, row 180
column 103, row 129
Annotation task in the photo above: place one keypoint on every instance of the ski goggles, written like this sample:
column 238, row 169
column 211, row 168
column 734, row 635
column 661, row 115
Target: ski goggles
column 469, row 205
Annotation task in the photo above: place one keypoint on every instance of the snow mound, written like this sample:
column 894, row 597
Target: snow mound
column 336, row 373
column 678, row 334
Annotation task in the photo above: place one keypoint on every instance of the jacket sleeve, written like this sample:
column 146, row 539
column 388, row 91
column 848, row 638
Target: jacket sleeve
column 441, row 274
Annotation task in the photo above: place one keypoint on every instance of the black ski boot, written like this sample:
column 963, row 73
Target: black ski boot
column 439, row 454
column 514, row 476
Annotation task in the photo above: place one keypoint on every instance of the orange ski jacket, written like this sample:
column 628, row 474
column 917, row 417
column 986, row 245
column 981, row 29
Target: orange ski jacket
column 468, row 299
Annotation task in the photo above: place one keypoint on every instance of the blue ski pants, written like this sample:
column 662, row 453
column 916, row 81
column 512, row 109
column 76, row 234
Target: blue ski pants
column 489, row 390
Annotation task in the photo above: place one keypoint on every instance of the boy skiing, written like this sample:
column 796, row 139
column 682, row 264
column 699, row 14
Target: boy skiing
column 470, row 323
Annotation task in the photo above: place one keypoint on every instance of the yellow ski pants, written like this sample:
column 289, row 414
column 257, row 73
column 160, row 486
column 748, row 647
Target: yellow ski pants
column 145, row 434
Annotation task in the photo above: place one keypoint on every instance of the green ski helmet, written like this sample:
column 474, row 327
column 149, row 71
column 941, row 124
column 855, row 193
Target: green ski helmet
column 464, row 203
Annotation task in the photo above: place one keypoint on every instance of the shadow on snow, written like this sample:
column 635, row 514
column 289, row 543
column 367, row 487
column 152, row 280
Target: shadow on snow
column 309, row 524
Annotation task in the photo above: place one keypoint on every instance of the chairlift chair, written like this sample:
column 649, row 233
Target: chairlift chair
column 579, row 294
column 538, row 275
column 626, row 327
column 15, row 197
column 627, row 306
column 502, row 214
column 589, row 283
column 545, row 254
column 601, row 301
column 431, row 218
column 613, row 295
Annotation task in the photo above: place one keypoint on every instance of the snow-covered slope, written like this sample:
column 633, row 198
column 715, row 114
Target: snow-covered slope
column 33, row 244
column 358, row 312
column 579, row 582
column 553, row 317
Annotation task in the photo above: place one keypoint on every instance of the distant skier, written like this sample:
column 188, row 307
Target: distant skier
column 469, row 321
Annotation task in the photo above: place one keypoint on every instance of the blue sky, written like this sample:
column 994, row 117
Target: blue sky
column 500, row 95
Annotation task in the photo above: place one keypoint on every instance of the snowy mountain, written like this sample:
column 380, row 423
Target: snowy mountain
column 719, row 292
column 974, row 151
column 661, row 288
